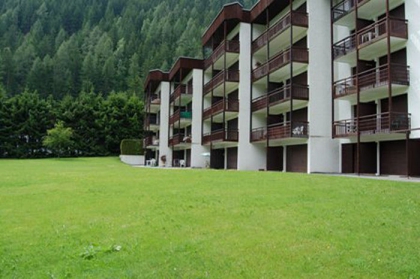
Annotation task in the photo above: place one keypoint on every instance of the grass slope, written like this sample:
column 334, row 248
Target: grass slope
column 98, row 218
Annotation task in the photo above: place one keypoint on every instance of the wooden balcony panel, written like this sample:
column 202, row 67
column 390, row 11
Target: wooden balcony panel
column 258, row 134
column 379, row 76
column 373, row 78
column 175, row 117
column 344, row 47
column 150, row 141
column 231, row 135
column 280, row 95
column 294, row 54
column 379, row 30
column 295, row 129
column 383, row 123
column 207, row 113
column 224, row 47
column 176, row 139
column 229, row 105
column 222, row 76
column 181, row 89
column 294, row 18
column 178, row 115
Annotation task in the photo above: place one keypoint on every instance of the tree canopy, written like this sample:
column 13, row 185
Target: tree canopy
column 60, row 47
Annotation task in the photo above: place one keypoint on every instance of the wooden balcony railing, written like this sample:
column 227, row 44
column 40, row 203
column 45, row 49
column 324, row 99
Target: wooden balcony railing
column 225, row 46
column 294, row 18
column 344, row 46
column 231, row 105
column 295, row 129
column 222, row 76
column 373, row 124
column 294, row 54
column 373, row 78
column 379, row 30
column 179, row 115
column 221, row 135
column 178, row 139
column 181, row 89
column 280, row 95
column 151, row 141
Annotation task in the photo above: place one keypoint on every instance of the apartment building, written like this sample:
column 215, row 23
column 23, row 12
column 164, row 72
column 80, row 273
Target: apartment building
column 294, row 85
column 376, row 85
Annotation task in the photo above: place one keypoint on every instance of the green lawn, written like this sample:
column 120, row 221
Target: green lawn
column 98, row 218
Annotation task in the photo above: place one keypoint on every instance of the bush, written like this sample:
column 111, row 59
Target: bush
column 131, row 147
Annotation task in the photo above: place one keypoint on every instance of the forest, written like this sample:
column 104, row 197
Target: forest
column 83, row 62
column 60, row 47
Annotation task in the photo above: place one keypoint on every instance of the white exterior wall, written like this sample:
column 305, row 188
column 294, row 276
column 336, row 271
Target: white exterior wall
column 197, row 159
column 323, row 151
column 412, row 11
column 164, row 124
column 250, row 156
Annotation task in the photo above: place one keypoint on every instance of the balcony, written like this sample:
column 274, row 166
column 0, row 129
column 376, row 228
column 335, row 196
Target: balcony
column 151, row 123
column 279, row 99
column 181, row 119
column 373, row 41
column 343, row 12
column 279, row 34
column 228, row 107
column 181, row 96
column 153, row 103
column 373, row 125
column 228, row 78
column 344, row 50
column 281, row 131
column 151, row 142
column 230, row 48
column 278, row 67
column 180, row 140
column 373, row 83
column 223, row 135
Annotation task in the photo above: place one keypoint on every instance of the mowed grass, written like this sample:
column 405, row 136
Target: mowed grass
column 98, row 218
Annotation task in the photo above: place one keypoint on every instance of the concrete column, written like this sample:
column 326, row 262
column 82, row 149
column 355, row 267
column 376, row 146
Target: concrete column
column 323, row 151
column 164, row 125
column 412, row 11
column 250, row 156
column 197, row 159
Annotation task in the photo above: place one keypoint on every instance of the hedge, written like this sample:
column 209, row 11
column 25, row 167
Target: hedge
column 131, row 147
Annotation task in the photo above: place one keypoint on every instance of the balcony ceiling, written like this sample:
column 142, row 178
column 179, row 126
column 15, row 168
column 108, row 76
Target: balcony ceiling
column 231, row 58
column 274, row 7
column 380, row 48
column 373, row 8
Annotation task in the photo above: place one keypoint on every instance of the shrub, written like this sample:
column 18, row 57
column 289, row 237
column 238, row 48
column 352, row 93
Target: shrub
column 131, row 147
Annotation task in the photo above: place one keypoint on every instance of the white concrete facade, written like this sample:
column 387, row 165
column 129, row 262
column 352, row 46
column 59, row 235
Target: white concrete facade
column 324, row 153
column 322, row 149
column 250, row 156
column 198, row 160
column 164, row 149
column 412, row 12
